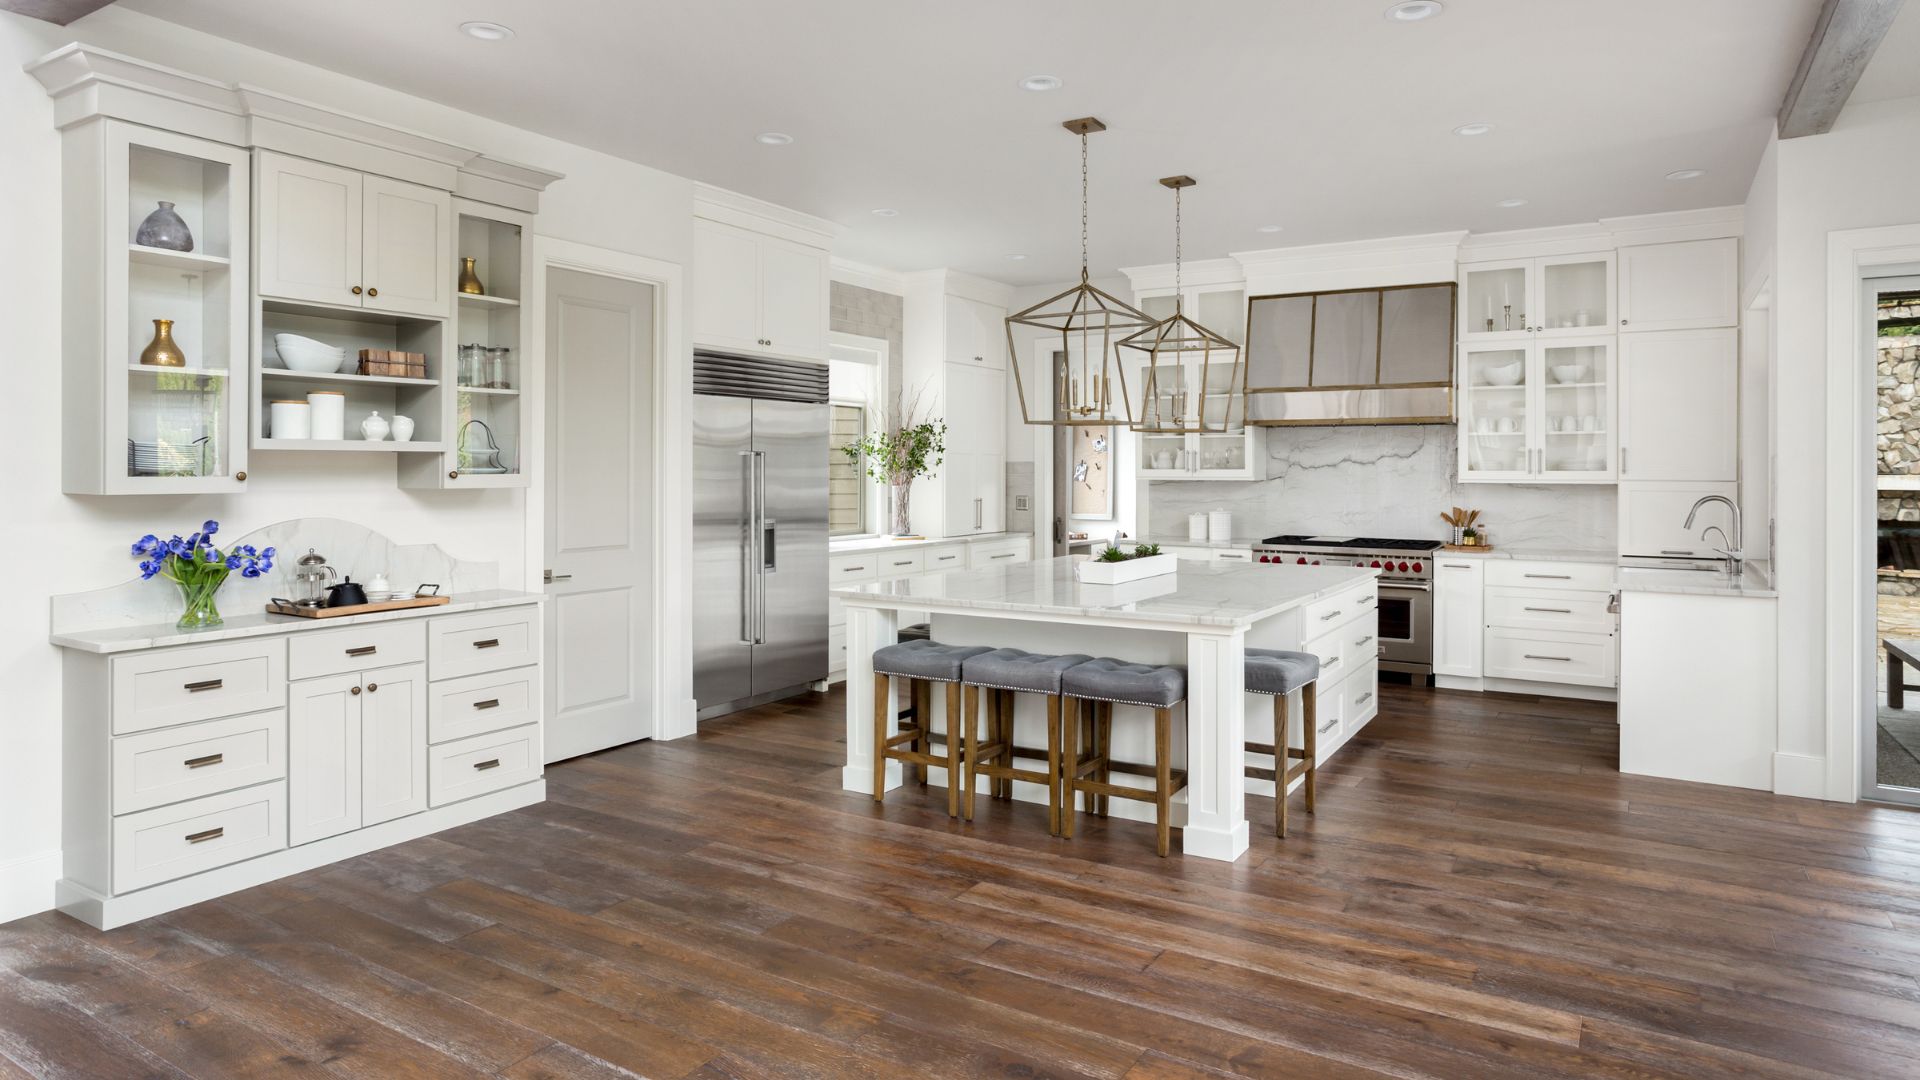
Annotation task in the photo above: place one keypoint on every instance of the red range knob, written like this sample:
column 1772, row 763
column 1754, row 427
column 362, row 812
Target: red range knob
column 1376, row 564
column 1316, row 562
column 1264, row 558
column 1303, row 560
column 1403, row 568
column 1416, row 568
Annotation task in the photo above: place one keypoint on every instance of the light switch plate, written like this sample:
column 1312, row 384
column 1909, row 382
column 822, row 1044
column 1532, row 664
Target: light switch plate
column 1022, row 503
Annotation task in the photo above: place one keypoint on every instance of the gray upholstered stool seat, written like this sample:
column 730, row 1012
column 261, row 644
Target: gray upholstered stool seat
column 1001, row 674
column 1117, row 681
column 926, row 659
column 1276, row 671
column 1016, row 669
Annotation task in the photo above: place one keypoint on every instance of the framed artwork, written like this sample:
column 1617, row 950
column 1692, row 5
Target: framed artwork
column 1093, row 473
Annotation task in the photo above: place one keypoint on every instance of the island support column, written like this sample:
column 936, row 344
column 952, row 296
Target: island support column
column 1216, row 746
column 868, row 628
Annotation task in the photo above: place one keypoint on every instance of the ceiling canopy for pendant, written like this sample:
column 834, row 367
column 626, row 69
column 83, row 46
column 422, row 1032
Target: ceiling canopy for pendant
column 1193, row 380
column 1078, row 353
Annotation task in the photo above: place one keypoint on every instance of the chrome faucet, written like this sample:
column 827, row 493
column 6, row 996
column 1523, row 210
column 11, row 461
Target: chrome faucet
column 1735, row 557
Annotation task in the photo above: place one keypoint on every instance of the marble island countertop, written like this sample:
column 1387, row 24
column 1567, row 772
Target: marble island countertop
column 258, row 623
column 1198, row 595
column 1534, row 554
column 878, row 543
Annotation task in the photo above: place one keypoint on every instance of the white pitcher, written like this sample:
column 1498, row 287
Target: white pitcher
column 402, row 429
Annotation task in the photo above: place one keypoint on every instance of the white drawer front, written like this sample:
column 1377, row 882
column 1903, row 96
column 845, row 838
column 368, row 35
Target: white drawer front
column 177, row 686
column 837, row 648
column 154, row 768
column 1233, row 555
column 1550, row 609
column 1329, row 709
column 469, row 767
column 1345, row 649
column 900, row 563
column 1550, row 575
column 314, row 653
column 173, row 841
column 477, row 704
column 494, row 640
column 1550, row 656
column 854, row 569
column 999, row 553
column 1360, row 694
column 1333, row 611
column 947, row 558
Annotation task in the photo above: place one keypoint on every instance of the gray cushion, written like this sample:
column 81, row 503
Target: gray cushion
column 917, row 632
column 1107, row 679
column 928, row 660
column 1014, row 669
column 1273, row 671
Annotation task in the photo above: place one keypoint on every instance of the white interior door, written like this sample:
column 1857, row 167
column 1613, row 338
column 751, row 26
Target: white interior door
column 600, row 350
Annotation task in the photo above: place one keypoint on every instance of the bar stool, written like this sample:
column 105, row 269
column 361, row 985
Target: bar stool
column 918, row 698
column 1277, row 674
column 1094, row 688
column 921, row 664
column 1003, row 673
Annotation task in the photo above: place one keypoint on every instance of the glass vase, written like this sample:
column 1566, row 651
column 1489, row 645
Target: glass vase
column 901, row 524
column 200, row 611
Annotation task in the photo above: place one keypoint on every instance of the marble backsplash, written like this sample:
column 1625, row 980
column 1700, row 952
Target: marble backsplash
column 1386, row 481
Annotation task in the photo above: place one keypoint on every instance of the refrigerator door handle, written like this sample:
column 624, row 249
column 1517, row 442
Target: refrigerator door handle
column 763, row 532
column 749, row 557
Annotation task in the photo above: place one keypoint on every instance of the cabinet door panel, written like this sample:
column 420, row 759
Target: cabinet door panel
column 393, row 744
column 1458, row 617
column 310, row 236
column 793, row 298
column 1680, row 286
column 957, row 494
column 407, row 247
column 323, row 757
column 1679, row 408
column 990, row 335
column 726, row 287
column 990, row 491
column 962, row 330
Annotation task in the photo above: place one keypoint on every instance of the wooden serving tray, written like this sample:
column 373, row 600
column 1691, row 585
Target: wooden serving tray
column 1466, row 547
column 357, row 609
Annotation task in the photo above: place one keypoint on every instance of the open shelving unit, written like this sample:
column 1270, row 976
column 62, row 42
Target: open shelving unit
column 351, row 329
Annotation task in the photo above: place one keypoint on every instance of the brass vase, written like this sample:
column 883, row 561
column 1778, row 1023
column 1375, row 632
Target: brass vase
column 162, row 352
column 470, row 281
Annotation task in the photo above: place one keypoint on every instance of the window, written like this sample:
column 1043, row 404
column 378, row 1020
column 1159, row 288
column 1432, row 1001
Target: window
column 846, row 477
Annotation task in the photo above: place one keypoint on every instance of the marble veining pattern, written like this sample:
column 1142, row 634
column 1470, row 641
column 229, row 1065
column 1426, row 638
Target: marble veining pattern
column 260, row 624
column 1198, row 595
column 1753, row 582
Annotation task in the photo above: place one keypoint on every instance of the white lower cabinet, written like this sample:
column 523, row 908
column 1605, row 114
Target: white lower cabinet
column 171, row 842
column 1551, row 622
column 878, row 563
column 469, row 767
column 1458, row 616
column 323, row 782
column 393, row 744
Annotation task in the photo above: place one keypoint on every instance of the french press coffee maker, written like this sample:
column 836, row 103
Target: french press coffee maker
column 312, row 580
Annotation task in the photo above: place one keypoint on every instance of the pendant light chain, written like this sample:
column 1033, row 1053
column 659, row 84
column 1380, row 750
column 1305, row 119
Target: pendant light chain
column 1083, row 206
column 1178, row 290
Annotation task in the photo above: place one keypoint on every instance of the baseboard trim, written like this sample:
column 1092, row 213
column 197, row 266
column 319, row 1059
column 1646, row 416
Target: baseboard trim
column 26, row 885
column 1526, row 686
column 1802, row 775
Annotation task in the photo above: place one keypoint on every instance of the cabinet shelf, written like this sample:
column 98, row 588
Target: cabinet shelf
column 506, row 390
column 1573, row 434
column 157, row 369
column 352, row 446
column 343, row 377
column 178, row 260
column 488, row 301
column 1576, row 386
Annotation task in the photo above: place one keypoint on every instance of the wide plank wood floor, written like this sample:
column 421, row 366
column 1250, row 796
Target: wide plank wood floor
column 1480, row 895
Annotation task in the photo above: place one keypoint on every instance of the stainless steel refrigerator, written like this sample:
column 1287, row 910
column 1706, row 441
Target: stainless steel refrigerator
column 759, row 530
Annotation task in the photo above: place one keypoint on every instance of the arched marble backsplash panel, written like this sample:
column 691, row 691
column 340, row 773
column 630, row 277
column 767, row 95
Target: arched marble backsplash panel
column 353, row 550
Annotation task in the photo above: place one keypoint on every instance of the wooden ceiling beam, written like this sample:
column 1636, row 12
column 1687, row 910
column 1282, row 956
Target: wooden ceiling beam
column 1844, row 38
column 61, row 12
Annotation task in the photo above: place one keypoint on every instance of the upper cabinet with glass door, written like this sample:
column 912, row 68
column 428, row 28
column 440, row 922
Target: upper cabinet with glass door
column 1553, row 296
column 1538, row 411
column 1201, row 390
column 156, row 312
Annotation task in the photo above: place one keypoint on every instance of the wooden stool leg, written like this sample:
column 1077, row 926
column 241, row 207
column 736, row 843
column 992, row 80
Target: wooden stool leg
column 1105, row 738
column 1012, row 702
column 1053, row 764
column 1069, row 764
column 1282, row 763
column 1310, row 724
column 953, row 749
column 1089, row 711
column 923, row 726
column 972, row 772
column 880, row 710
column 1163, row 777
column 997, row 714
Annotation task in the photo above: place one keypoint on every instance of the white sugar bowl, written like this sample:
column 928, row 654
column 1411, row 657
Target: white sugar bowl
column 374, row 428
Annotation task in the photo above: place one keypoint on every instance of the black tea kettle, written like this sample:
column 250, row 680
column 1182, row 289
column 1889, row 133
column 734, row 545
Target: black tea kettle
column 345, row 594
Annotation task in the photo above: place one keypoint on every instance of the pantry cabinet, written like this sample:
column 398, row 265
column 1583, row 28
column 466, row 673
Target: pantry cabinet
column 1680, row 405
column 335, row 236
column 952, row 365
column 973, row 476
column 976, row 333
column 758, row 294
column 1687, row 285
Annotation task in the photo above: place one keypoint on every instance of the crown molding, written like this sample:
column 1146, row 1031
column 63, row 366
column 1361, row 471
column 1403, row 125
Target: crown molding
column 867, row 276
column 758, row 215
column 1711, row 223
column 1198, row 272
column 959, row 283
column 1358, row 264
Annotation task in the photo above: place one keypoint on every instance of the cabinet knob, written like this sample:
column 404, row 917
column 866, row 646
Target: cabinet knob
column 372, row 686
column 373, row 292
column 1623, row 322
column 241, row 475
column 354, row 691
column 357, row 290
column 453, row 474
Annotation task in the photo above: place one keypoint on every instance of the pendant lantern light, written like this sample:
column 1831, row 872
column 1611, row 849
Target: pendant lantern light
column 1082, row 373
column 1215, row 400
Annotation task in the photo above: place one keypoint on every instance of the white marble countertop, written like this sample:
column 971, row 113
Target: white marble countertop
column 1534, row 554
column 877, row 543
column 1171, row 540
column 258, row 624
column 1199, row 595
column 1754, row 582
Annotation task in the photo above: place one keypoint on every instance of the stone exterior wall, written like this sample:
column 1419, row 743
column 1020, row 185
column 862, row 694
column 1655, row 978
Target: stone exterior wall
column 1897, row 438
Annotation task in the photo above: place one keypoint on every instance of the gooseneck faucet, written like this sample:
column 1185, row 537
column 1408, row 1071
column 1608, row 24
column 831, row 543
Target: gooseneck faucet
column 1734, row 552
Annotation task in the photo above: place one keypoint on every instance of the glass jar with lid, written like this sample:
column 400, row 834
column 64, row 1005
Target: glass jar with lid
column 499, row 368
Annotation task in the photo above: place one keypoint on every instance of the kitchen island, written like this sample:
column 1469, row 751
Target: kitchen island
column 1204, row 617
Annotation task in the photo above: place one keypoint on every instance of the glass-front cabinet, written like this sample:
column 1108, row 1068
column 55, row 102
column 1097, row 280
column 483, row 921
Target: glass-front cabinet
column 1538, row 411
column 1551, row 296
column 1237, row 453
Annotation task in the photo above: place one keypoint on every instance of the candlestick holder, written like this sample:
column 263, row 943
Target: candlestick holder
column 1507, row 313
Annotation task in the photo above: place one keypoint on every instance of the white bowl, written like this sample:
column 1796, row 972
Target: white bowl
column 305, row 354
column 1505, row 374
column 1571, row 373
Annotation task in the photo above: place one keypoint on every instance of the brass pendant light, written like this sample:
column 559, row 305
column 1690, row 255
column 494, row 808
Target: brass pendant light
column 1084, row 373
column 1172, row 346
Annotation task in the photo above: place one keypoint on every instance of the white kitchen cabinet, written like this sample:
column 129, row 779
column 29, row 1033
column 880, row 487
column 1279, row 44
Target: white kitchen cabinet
column 1688, row 285
column 1554, row 425
column 973, row 476
column 1458, row 616
column 1680, row 405
column 759, row 294
column 973, row 486
column 1544, row 297
column 1653, row 515
column 1550, row 622
column 393, row 744
column 1238, row 453
column 952, row 365
column 323, row 757
column 976, row 333
column 339, row 237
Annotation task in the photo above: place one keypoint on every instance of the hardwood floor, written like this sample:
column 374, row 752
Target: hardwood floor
column 1480, row 895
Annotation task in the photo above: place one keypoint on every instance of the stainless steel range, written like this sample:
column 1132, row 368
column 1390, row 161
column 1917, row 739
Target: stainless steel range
column 1406, row 588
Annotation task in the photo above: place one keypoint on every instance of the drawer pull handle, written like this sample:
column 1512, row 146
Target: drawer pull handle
column 1329, row 615
column 904, row 562
column 1362, row 699
column 203, row 762
column 490, row 703
column 487, row 643
column 1328, row 726
column 1365, row 600
column 1363, row 642
column 1333, row 663
column 211, row 834
column 853, row 569
column 1457, row 566
column 364, row 650
column 204, row 684
column 490, row 763
column 1551, row 577
column 1004, row 555
column 1553, row 610
column 1562, row 659
column 1671, row 551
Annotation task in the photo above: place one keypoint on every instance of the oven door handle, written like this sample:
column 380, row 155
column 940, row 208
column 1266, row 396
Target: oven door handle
column 1407, row 586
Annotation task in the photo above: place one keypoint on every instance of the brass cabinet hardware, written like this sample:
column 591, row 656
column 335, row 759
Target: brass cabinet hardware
column 204, row 684
column 203, row 762
column 364, row 650
column 490, row 763
column 372, row 686
column 490, row 703
column 241, row 476
column 357, row 290
column 353, row 690
column 453, row 474
column 487, row 643
column 210, row 834
column 373, row 292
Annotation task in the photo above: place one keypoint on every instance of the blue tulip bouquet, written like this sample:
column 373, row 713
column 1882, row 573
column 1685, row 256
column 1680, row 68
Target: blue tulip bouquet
column 199, row 569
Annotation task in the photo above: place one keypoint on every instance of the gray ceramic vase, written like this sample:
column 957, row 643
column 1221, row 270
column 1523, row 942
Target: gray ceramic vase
column 164, row 229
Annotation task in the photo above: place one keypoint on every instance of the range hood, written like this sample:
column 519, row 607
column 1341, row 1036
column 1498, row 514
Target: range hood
column 1351, row 356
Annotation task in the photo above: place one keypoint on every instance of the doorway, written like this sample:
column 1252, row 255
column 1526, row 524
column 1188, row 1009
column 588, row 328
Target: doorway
column 1892, row 741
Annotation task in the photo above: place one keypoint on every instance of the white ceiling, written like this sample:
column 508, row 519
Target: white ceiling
column 1318, row 115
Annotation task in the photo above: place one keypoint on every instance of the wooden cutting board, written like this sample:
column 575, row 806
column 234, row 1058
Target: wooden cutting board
column 356, row 609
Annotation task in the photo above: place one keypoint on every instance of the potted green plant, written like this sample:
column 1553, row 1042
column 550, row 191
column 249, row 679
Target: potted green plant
column 1116, row 566
column 912, row 446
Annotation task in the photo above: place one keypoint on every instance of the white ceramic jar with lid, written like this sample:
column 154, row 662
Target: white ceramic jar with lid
column 328, row 414
column 290, row 420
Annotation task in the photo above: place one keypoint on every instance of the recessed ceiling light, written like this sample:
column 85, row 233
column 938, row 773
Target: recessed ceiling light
column 1510, row 204
column 1016, row 256
column 1686, row 174
column 885, row 212
column 1270, row 228
column 1414, row 10
column 486, row 31
column 1478, row 127
column 773, row 138
column 1041, row 83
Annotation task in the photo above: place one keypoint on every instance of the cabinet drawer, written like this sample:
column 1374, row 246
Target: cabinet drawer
column 1359, row 698
column 477, row 704
column 947, row 558
column 1550, row 575
column 1344, row 650
column 1550, row 609
column 469, row 767
column 155, row 768
column 177, row 686
column 999, row 552
column 314, row 653
column 853, row 569
column 186, row 838
column 483, row 641
column 901, row 563
column 1233, row 555
column 1550, row 656
column 837, row 648
column 1328, row 612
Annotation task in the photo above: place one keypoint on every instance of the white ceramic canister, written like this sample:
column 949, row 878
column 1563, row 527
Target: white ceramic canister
column 1197, row 526
column 374, row 428
column 402, row 429
column 1220, row 526
column 290, row 420
column 329, row 414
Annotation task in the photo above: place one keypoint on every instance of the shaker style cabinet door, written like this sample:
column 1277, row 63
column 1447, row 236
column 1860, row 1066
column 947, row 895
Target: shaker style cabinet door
column 323, row 757
column 393, row 743
column 1679, row 405
column 1682, row 286
column 793, row 298
column 1459, row 621
column 310, row 230
column 407, row 248
column 726, row 287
